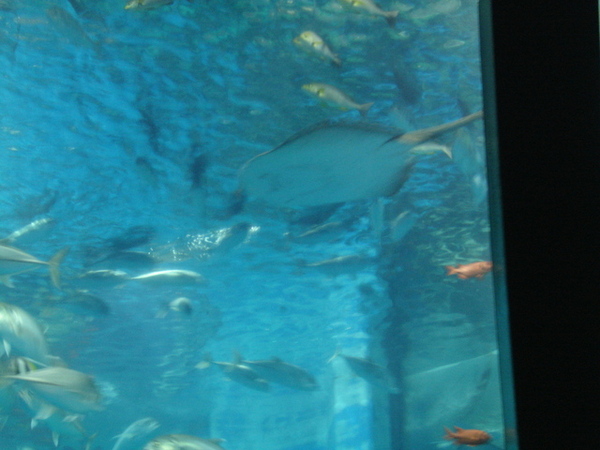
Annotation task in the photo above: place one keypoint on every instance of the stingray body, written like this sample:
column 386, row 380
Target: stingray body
column 337, row 162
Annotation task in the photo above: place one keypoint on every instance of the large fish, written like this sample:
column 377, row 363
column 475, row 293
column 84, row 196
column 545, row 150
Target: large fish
column 371, row 372
column 337, row 162
column 183, row 442
column 63, row 388
column 21, row 334
column 239, row 373
column 281, row 372
column 14, row 261
column 137, row 428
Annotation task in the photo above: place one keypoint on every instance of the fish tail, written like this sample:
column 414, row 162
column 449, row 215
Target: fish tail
column 54, row 264
column 449, row 434
column 364, row 108
column 205, row 363
column 450, row 270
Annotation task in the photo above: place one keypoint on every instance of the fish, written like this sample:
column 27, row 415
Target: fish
column 60, row 423
column 175, row 277
column 277, row 371
column 183, row 442
column 470, row 438
column 14, row 261
column 335, row 97
column 342, row 265
column 82, row 302
column 336, row 162
column 180, row 304
column 147, row 4
column 312, row 43
column 472, row 270
column 137, row 428
column 27, row 230
column 101, row 278
column 370, row 7
column 21, row 334
column 64, row 388
column 372, row 373
column 239, row 373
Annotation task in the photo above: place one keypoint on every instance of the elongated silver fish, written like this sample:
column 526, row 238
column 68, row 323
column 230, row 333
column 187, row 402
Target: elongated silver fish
column 239, row 373
column 27, row 230
column 147, row 4
column 63, row 388
column 14, row 261
column 281, row 372
column 183, row 442
column 337, row 162
column 21, row 335
column 176, row 277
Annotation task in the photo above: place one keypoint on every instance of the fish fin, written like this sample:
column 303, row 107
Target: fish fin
column 45, row 412
column 337, row 353
column 54, row 264
column 448, row 435
column 364, row 108
column 237, row 357
column 55, row 438
column 391, row 18
column 425, row 134
column 34, row 423
column 450, row 270
column 5, row 279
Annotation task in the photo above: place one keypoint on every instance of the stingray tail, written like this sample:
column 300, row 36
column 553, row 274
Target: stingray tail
column 428, row 133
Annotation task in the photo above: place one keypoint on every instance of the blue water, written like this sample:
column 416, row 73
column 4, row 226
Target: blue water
column 105, row 110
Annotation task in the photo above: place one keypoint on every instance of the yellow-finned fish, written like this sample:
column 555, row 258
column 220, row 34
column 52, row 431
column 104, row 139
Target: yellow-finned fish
column 311, row 42
column 335, row 97
column 371, row 7
column 147, row 4
column 14, row 261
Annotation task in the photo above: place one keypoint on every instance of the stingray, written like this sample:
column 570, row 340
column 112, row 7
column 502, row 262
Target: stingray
column 338, row 162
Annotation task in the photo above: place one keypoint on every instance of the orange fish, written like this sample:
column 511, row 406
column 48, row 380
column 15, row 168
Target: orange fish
column 476, row 269
column 470, row 438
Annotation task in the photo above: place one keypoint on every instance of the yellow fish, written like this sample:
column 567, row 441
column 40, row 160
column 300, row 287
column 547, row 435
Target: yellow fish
column 335, row 97
column 311, row 42
column 371, row 7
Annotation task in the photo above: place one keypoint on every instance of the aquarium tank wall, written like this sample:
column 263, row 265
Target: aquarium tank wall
column 248, row 224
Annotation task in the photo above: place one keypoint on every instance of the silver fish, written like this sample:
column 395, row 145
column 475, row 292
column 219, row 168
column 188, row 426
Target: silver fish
column 147, row 4
column 180, row 304
column 14, row 261
column 64, row 388
column 61, row 424
column 21, row 334
column 239, row 373
column 27, row 230
column 101, row 278
column 137, row 428
column 372, row 373
column 183, row 442
column 176, row 277
column 337, row 162
column 281, row 372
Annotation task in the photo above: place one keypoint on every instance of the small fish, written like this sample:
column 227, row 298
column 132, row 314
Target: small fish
column 180, row 304
column 175, row 277
column 280, row 372
column 472, row 270
column 101, row 278
column 370, row 7
column 369, row 371
column 21, row 334
column 470, row 438
column 143, row 5
column 335, row 97
column 183, row 442
column 342, row 265
column 63, row 388
column 239, row 373
column 311, row 42
column 137, row 428
column 14, row 261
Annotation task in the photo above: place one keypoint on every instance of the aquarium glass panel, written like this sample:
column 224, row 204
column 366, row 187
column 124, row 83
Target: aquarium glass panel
column 248, row 225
